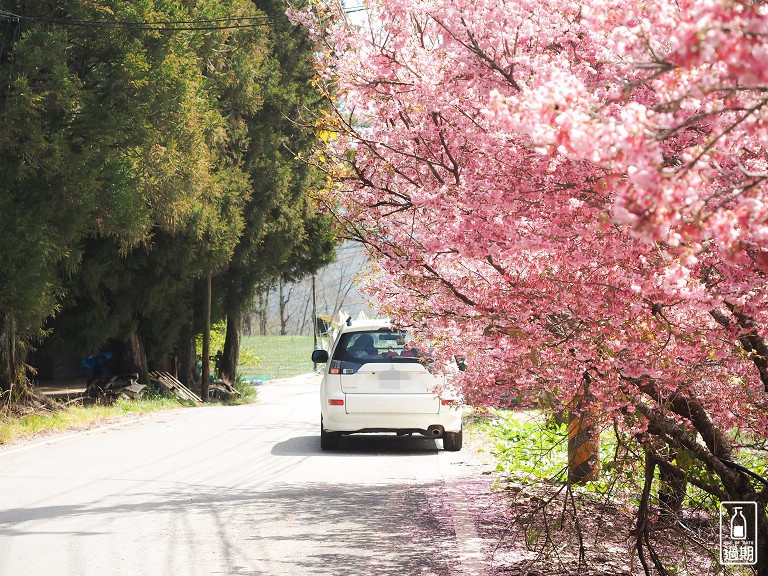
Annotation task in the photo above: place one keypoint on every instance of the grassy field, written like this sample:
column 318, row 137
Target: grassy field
column 278, row 356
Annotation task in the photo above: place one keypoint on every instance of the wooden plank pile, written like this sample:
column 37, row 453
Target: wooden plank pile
column 169, row 383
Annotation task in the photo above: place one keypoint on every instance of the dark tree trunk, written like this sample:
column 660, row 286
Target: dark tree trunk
column 672, row 491
column 248, row 324
column 231, row 352
column 187, row 360
column 8, row 361
column 206, row 360
column 14, row 385
column 133, row 358
column 762, row 539
column 262, row 311
column 284, row 297
column 168, row 363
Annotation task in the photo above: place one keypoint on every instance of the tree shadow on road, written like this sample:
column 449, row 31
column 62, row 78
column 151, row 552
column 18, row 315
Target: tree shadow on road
column 320, row 529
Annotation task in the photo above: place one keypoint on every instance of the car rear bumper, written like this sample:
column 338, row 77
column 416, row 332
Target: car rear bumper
column 335, row 419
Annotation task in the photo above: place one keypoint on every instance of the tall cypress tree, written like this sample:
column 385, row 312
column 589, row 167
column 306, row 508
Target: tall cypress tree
column 194, row 228
column 284, row 235
column 121, row 178
column 44, row 208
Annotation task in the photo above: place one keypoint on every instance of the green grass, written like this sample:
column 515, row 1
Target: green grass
column 278, row 356
column 18, row 427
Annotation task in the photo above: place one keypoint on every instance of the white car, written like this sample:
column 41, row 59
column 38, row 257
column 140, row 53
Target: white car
column 374, row 381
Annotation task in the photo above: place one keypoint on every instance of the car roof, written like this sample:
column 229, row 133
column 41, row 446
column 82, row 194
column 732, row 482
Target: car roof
column 365, row 325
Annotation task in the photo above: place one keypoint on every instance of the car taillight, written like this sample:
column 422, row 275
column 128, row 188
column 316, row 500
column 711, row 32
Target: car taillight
column 335, row 402
column 335, row 367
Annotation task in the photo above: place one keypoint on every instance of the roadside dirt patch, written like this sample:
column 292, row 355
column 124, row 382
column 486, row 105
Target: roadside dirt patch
column 553, row 532
column 538, row 528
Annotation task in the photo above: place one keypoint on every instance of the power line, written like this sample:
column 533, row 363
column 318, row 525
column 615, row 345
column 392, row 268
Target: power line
column 231, row 23
column 236, row 22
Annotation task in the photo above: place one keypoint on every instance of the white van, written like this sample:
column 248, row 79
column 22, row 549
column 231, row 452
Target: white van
column 375, row 381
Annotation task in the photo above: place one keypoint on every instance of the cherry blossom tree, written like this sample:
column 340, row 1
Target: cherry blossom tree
column 574, row 199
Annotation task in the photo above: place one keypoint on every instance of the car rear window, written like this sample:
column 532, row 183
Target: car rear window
column 376, row 346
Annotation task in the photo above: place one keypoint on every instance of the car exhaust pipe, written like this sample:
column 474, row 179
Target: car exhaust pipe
column 435, row 431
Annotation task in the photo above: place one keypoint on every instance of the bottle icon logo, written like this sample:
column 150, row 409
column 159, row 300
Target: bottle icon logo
column 738, row 533
column 738, row 525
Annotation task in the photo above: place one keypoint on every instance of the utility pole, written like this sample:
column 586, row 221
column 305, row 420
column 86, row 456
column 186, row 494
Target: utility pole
column 206, row 366
column 314, row 319
column 314, row 312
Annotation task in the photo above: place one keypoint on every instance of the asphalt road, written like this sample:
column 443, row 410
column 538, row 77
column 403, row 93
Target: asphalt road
column 236, row 490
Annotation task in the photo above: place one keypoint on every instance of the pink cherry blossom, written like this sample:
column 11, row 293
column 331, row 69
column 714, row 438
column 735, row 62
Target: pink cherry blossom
column 555, row 191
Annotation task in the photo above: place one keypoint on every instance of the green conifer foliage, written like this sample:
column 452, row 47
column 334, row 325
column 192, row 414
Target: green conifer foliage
column 143, row 147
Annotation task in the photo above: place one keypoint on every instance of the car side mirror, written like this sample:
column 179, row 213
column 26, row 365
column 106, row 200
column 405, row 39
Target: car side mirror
column 320, row 356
